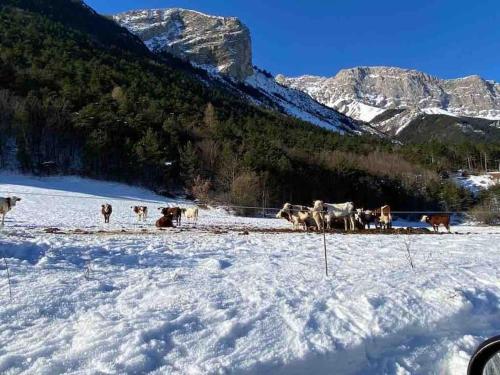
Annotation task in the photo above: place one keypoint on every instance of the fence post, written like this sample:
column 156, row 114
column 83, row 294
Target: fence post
column 324, row 245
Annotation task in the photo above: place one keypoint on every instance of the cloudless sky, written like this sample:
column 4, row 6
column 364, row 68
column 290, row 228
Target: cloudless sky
column 446, row 38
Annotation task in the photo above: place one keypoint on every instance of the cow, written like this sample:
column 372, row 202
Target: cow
column 340, row 210
column 299, row 217
column 191, row 213
column 436, row 221
column 366, row 217
column 318, row 214
column 165, row 222
column 291, row 215
column 106, row 210
column 176, row 213
column 384, row 216
column 141, row 212
column 6, row 205
column 284, row 214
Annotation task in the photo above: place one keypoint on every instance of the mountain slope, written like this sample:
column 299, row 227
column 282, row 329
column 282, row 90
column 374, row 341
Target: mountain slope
column 76, row 15
column 222, row 46
column 367, row 92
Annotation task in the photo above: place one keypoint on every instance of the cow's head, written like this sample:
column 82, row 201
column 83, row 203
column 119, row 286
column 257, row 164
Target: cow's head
column 318, row 205
column 283, row 214
column 425, row 219
column 13, row 200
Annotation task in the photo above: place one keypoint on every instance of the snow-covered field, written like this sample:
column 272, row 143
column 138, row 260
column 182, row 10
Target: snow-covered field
column 204, row 302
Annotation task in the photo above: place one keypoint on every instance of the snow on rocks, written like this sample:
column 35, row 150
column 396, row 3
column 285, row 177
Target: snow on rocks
column 198, row 302
column 475, row 183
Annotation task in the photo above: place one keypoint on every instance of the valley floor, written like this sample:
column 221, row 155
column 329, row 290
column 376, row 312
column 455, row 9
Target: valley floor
column 198, row 302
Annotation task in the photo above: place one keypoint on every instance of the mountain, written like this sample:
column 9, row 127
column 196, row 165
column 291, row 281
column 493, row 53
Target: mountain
column 222, row 46
column 393, row 98
column 219, row 43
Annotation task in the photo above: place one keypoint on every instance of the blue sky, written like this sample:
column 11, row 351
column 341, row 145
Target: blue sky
column 446, row 38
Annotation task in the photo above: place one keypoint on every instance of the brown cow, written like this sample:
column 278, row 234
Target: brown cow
column 106, row 210
column 165, row 222
column 175, row 212
column 436, row 221
column 141, row 212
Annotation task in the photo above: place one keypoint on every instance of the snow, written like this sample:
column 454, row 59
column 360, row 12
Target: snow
column 475, row 183
column 358, row 110
column 438, row 111
column 296, row 103
column 196, row 301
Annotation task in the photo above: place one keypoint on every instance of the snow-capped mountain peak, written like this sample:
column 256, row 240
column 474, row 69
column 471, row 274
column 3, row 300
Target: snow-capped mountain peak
column 366, row 92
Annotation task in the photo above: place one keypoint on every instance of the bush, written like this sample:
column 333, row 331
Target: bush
column 200, row 189
column 484, row 213
column 246, row 191
column 487, row 211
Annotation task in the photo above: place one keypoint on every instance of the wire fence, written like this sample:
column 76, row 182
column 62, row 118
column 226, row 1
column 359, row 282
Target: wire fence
column 230, row 207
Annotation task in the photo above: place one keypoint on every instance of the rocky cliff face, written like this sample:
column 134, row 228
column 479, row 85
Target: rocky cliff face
column 366, row 92
column 221, row 44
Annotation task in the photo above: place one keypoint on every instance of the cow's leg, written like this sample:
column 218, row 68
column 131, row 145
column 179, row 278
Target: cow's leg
column 317, row 220
column 345, row 224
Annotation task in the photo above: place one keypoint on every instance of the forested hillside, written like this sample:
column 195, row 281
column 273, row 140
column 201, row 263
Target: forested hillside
column 77, row 89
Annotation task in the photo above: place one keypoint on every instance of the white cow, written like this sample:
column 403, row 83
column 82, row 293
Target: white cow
column 318, row 214
column 191, row 213
column 385, row 217
column 340, row 210
column 6, row 205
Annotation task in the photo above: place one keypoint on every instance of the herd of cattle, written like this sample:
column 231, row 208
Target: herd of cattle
column 169, row 214
column 325, row 215
column 320, row 216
